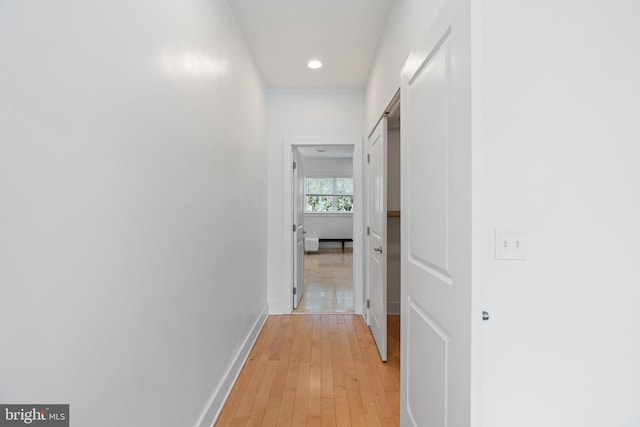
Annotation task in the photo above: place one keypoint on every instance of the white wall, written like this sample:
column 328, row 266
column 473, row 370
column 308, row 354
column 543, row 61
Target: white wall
column 319, row 166
column 406, row 27
column 332, row 225
column 307, row 113
column 132, row 180
column 327, row 226
column 560, row 101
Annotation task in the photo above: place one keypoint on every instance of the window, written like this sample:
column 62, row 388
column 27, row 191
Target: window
column 328, row 195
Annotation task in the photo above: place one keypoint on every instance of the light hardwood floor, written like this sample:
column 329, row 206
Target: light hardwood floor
column 328, row 280
column 317, row 370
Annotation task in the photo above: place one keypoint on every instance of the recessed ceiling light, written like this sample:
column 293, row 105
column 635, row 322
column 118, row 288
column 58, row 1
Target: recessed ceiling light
column 314, row 64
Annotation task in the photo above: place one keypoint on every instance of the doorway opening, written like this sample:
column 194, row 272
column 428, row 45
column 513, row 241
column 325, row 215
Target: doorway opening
column 383, row 228
column 393, row 212
column 393, row 235
column 293, row 243
column 323, row 209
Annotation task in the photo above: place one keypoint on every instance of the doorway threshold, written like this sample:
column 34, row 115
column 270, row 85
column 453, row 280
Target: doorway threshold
column 350, row 311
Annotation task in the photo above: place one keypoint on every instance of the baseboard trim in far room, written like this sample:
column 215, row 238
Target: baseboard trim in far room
column 220, row 395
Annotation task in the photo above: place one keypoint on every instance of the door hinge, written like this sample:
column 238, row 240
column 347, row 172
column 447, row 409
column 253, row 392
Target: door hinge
column 295, row 165
column 368, row 230
column 295, row 228
column 295, row 291
column 368, row 303
column 368, row 158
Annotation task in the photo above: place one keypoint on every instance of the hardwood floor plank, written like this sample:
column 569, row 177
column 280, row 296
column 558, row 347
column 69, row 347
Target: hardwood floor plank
column 285, row 413
column 317, row 370
column 293, row 367
column 394, row 400
column 347, row 357
column 284, row 358
column 271, row 411
column 372, row 416
column 262, row 396
column 327, row 368
column 392, row 377
column 315, row 377
column 337, row 354
column 301, row 402
column 314, row 421
column 280, row 338
column 328, row 413
column 343, row 418
column 305, row 356
column 356, row 408
column 389, row 422
column 374, row 366
column 368, row 400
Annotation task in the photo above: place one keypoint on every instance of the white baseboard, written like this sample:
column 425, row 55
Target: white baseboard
column 393, row 307
column 220, row 395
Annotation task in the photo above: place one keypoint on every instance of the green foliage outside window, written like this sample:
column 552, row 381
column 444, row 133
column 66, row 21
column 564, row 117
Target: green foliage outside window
column 324, row 194
column 319, row 204
column 345, row 203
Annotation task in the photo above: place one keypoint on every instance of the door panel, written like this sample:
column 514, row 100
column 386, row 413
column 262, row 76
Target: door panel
column 427, row 369
column 427, row 184
column 377, row 242
column 298, row 220
column 436, row 227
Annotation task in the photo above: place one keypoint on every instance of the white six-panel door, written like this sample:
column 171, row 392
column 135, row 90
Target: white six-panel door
column 377, row 239
column 436, row 227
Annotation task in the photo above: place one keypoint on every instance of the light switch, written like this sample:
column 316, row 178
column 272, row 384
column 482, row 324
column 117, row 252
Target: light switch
column 511, row 243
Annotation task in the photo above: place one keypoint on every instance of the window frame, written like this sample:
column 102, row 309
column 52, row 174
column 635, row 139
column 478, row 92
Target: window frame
column 334, row 195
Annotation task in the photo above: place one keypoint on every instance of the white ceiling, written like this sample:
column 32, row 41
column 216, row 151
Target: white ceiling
column 327, row 151
column 283, row 35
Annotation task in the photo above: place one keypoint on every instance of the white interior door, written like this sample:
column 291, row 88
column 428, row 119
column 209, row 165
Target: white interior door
column 436, row 226
column 298, row 228
column 377, row 241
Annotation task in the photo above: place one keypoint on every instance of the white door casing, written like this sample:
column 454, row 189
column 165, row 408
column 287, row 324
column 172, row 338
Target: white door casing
column 281, row 302
column 298, row 227
column 377, row 239
column 366, row 191
column 436, row 226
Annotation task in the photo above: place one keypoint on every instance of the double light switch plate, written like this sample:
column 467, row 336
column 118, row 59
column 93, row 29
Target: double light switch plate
column 511, row 243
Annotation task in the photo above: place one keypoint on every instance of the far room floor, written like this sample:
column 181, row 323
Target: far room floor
column 328, row 280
